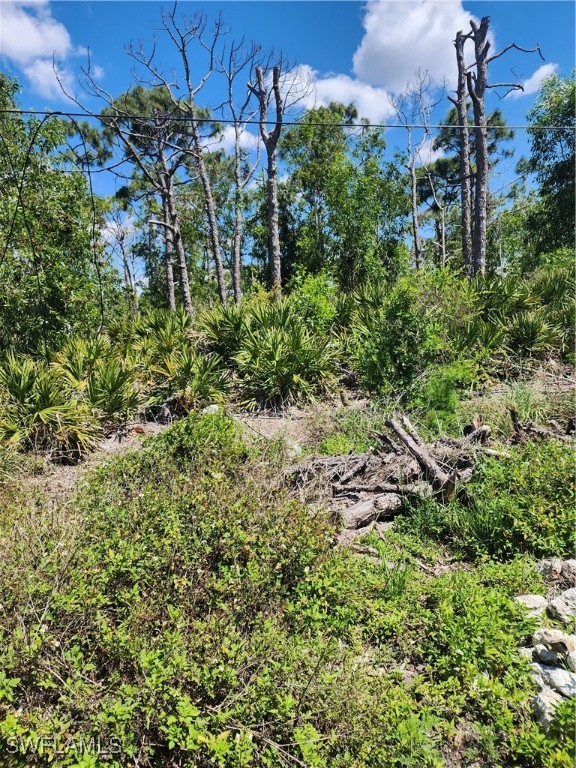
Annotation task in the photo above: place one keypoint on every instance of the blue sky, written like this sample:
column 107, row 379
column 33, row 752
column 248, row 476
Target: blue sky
column 350, row 51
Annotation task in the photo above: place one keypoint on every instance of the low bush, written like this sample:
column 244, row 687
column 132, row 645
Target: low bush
column 520, row 505
column 40, row 413
column 192, row 612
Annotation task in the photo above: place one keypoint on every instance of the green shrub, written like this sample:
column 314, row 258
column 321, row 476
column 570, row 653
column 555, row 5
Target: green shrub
column 523, row 504
column 224, row 329
column 280, row 363
column 520, row 505
column 390, row 343
column 40, row 414
column 401, row 332
column 191, row 379
column 314, row 299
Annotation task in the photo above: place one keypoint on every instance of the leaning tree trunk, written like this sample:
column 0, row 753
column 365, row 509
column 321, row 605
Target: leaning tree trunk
column 477, row 90
column 210, row 209
column 464, row 155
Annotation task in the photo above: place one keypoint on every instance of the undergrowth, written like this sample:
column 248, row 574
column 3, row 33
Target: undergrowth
column 187, row 610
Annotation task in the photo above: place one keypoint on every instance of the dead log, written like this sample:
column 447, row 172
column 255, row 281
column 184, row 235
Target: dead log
column 528, row 427
column 410, row 489
column 479, row 435
column 364, row 512
column 437, row 477
column 388, row 442
column 360, row 466
column 410, row 429
column 534, row 429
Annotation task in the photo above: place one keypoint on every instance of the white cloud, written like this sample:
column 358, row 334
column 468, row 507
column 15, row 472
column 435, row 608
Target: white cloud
column 247, row 140
column 28, row 32
column 532, row 84
column 427, row 154
column 371, row 102
column 40, row 72
column 402, row 36
column 30, row 37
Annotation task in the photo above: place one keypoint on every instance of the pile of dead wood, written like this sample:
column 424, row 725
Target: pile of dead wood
column 383, row 481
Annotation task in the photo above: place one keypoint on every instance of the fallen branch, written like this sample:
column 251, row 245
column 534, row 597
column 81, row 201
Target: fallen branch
column 437, row 477
column 366, row 511
column 359, row 467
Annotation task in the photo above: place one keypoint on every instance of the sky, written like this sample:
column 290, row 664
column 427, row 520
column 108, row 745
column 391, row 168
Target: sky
column 361, row 52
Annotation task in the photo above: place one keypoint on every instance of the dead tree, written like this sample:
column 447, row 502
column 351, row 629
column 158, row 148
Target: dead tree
column 139, row 124
column 270, row 140
column 186, row 34
column 283, row 87
column 464, row 152
column 233, row 63
column 477, row 83
column 414, row 106
column 120, row 232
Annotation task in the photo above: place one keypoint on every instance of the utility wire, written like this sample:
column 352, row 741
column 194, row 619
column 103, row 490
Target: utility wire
column 187, row 119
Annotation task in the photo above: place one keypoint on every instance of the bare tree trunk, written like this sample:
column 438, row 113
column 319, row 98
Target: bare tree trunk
column 237, row 249
column 273, row 224
column 240, row 57
column 209, row 206
column 415, row 221
column 464, row 152
column 177, row 243
column 169, row 258
column 477, row 89
column 270, row 140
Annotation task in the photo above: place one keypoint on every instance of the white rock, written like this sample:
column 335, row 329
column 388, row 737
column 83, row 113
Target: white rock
column 551, row 568
column 555, row 569
column 561, row 680
column 536, row 675
column 528, row 653
column 555, row 640
column 536, row 604
column 569, row 572
column 546, row 656
column 544, row 705
column 563, row 607
column 211, row 408
column 571, row 661
column 294, row 451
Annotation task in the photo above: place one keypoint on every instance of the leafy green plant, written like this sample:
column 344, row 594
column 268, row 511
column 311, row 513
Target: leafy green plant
column 40, row 414
column 192, row 379
column 314, row 300
column 112, row 390
column 224, row 329
column 282, row 364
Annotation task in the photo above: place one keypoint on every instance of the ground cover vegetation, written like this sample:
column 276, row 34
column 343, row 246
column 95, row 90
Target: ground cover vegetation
column 186, row 605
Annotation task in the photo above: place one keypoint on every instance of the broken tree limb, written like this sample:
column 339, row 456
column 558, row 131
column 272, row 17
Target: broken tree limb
column 495, row 453
column 415, row 489
column 366, row 511
column 534, row 429
column 437, row 477
column 521, row 429
column 357, row 468
column 479, row 435
column 410, row 430
column 387, row 441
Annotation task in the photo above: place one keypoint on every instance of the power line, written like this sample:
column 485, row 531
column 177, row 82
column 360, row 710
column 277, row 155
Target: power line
column 188, row 119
